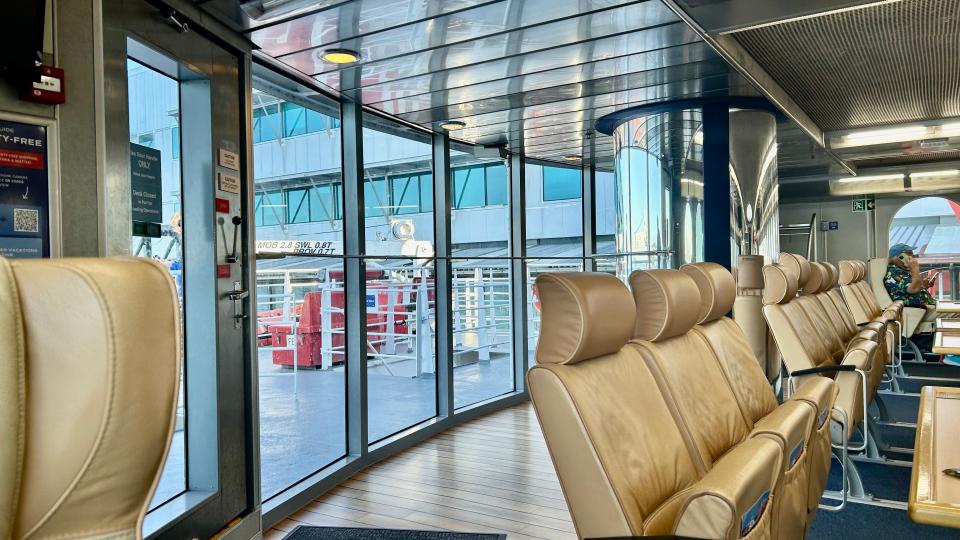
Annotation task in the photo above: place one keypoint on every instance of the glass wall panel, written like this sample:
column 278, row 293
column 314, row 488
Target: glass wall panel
column 154, row 116
column 401, row 344
column 401, row 360
column 482, row 330
column 481, row 295
column 300, row 292
column 554, row 235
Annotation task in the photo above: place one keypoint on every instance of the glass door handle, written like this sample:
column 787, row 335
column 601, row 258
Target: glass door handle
column 237, row 295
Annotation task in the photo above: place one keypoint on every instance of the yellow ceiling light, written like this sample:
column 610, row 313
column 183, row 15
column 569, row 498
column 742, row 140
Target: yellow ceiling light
column 340, row 56
column 572, row 157
column 451, row 125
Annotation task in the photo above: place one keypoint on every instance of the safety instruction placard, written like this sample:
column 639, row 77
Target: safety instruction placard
column 24, row 191
column 145, row 185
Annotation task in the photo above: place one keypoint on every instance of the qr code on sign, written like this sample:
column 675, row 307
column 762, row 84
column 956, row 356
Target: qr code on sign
column 26, row 220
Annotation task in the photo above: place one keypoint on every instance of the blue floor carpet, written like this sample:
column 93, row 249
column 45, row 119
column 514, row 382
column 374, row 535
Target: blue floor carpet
column 867, row 522
column 890, row 482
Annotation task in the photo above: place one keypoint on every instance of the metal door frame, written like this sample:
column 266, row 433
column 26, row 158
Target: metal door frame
column 222, row 455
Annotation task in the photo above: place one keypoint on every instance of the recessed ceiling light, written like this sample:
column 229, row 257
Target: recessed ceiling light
column 572, row 157
column 451, row 125
column 340, row 56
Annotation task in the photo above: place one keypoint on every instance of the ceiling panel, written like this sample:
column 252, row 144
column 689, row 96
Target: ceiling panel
column 530, row 75
column 886, row 63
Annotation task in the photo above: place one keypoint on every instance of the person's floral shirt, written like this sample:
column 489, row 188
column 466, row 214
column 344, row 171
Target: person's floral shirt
column 896, row 282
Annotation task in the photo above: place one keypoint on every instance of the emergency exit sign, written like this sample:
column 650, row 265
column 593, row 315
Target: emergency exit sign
column 864, row 204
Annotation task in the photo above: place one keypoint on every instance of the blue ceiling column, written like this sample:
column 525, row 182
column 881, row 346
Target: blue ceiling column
column 716, row 183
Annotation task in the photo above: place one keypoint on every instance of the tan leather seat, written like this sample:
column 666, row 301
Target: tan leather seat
column 88, row 395
column 625, row 466
column 804, row 352
column 750, row 387
column 829, row 325
column 706, row 407
column 748, row 314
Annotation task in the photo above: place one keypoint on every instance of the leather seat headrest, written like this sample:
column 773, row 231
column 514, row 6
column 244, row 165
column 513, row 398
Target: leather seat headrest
column 750, row 272
column 848, row 272
column 798, row 264
column 833, row 275
column 863, row 270
column 668, row 303
column 816, row 280
column 717, row 289
column 780, row 284
column 584, row 315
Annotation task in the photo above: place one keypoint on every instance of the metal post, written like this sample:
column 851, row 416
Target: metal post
column 588, row 177
column 483, row 316
column 716, row 184
column 442, row 182
column 355, row 285
column 326, row 327
column 518, row 273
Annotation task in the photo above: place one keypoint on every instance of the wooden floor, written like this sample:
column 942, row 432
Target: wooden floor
column 489, row 475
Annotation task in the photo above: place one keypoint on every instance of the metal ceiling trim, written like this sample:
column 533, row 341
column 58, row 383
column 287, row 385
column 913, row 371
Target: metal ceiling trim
column 626, row 56
column 734, row 53
column 513, row 55
column 497, row 33
column 697, row 93
column 589, row 88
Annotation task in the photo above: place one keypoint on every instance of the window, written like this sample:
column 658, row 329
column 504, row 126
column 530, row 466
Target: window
column 175, row 142
column 294, row 120
column 274, row 210
column 298, row 205
column 376, row 200
column 325, row 202
column 426, row 192
column 468, row 187
column 497, row 191
column 561, row 183
column 266, row 122
column 146, row 139
column 406, row 194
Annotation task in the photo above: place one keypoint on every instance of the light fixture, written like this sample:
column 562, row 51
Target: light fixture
column 935, row 174
column 451, row 125
column 698, row 137
column 571, row 157
column 852, row 179
column 340, row 56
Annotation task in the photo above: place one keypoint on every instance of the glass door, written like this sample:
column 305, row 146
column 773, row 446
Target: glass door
column 174, row 189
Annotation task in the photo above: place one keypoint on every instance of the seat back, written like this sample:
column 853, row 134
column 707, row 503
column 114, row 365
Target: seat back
column 795, row 334
column 668, row 306
column 730, row 346
column 94, row 387
column 850, row 274
column 748, row 314
column 876, row 271
column 619, row 455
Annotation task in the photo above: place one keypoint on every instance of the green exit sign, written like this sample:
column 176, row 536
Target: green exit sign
column 864, row 205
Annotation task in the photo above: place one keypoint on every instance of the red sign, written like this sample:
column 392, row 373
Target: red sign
column 223, row 206
column 223, row 270
column 50, row 89
column 21, row 160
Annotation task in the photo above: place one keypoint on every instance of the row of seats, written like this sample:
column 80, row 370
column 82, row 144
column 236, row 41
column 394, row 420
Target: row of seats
column 659, row 418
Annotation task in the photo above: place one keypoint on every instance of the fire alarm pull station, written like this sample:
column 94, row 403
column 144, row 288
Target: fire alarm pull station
column 50, row 89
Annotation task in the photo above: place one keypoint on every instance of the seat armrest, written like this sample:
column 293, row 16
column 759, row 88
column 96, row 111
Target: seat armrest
column 734, row 497
column 821, row 392
column 823, row 369
column 789, row 425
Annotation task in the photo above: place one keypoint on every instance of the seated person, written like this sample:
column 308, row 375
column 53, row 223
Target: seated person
column 905, row 282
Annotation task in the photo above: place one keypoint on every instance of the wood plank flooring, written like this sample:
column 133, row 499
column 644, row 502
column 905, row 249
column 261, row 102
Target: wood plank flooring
column 490, row 475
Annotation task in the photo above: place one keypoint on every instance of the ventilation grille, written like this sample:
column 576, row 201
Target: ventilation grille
column 885, row 64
